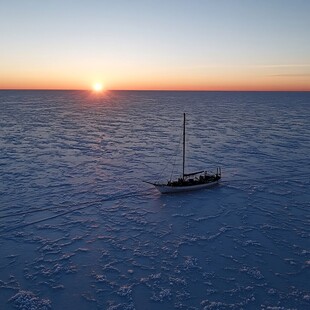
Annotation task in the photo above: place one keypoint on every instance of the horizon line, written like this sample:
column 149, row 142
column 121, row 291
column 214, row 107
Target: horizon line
column 149, row 90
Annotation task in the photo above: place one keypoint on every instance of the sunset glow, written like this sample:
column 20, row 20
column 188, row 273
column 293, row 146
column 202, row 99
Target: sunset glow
column 201, row 45
column 97, row 87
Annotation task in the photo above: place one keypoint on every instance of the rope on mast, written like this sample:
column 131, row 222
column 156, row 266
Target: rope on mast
column 183, row 145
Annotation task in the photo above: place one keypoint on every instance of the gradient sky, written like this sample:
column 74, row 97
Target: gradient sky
column 155, row 44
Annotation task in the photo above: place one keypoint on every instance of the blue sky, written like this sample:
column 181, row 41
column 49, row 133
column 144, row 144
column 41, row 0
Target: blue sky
column 144, row 41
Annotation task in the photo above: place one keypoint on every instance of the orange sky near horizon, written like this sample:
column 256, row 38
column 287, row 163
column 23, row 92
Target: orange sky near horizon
column 156, row 45
column 221, row 79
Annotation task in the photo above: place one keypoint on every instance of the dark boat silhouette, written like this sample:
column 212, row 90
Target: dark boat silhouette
column 189, row 181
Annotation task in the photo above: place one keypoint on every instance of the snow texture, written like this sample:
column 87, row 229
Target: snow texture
column 80, row 230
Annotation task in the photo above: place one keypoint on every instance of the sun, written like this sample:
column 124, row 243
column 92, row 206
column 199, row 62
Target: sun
column 98, row 87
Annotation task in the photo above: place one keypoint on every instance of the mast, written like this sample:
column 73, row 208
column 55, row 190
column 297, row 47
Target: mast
column 183, row 144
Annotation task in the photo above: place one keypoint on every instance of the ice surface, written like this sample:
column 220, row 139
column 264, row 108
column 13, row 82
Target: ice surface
column 80, row 230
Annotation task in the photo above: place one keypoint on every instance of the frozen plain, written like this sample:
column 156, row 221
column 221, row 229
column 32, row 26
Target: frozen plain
column 80, row 230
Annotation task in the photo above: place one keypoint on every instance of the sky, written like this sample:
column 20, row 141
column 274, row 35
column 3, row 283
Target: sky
column 155, row 44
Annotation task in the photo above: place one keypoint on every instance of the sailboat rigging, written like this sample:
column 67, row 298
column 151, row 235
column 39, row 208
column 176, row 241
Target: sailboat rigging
column 189, row 181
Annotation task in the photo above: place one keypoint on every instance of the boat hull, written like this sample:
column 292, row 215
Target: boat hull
column 167, row 189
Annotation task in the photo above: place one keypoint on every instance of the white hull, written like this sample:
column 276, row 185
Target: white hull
column 166, row 189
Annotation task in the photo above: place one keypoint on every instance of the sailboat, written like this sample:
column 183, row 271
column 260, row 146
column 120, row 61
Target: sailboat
column 189, row 181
